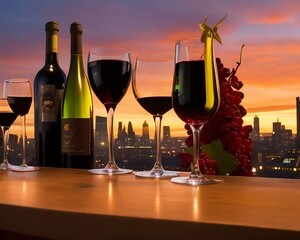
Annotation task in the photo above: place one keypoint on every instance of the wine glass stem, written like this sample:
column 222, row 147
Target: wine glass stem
column 157, row 166
column 23, row 127
column 5, row 134
column 196, row 173
column 110, row 124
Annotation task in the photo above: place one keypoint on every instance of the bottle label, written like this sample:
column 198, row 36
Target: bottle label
column 76, row 137
column 50, row 99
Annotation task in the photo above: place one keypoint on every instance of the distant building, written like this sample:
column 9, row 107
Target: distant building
column 257, row 147
column 101, row 138
column 298, row 124
column 286, row 166
column 166, row 134
column 276, row 135
column 287, row 142
column 145, row 132
column 101, row 141
column 131, row 139
column 255, row 134
column 122, row 135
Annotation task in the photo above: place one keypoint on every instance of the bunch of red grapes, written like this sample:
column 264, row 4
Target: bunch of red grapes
column 227, row 127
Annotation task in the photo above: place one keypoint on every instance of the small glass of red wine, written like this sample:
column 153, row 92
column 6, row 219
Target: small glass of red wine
column 109, row 71
column 151, row 85
column 195, row 97
column 19, row 97
column 7, row 118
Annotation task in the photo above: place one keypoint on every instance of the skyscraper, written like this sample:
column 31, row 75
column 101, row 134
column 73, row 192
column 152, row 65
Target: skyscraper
column 145, row 132
column 166, row 133
column 120, row 128
column 276, row 135
column 130, row 134
column 122, row 135
column 298, row 124
column 101, row 137
column 255, row 134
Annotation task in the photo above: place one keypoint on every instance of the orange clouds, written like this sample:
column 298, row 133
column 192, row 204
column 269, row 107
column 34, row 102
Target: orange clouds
column 270, row 108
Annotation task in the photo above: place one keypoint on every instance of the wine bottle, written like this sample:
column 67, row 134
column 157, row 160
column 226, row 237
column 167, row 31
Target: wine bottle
column 77, row 110
column 49, row 85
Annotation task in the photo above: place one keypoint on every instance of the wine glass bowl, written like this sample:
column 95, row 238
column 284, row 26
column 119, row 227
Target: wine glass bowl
column 151, row 85
column 195, row 97
column 7, row 117
column 19, row 98
column 109, row 71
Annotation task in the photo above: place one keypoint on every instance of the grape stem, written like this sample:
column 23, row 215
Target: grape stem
column 234, row 70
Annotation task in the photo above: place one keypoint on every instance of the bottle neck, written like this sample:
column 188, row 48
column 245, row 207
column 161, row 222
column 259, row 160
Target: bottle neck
column 51, row 47
column 51, row 57
column 76, row 43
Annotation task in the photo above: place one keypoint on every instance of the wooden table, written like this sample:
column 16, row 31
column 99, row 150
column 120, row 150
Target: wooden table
column 74, row 204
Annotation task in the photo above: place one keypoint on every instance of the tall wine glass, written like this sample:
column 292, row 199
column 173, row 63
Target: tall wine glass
column 19, row 97
column 109, row 71
column 195, row 96
column 7, row 117
column 152, row 82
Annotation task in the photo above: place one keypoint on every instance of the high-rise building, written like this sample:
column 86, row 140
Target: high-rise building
column 122, row 135
column 298, row 124
column 287, row 142
column 256, row 125
column 276, row 135
column 166, row 133
column 255, row 134
column 120, row 129
column 145, row 132
column 130, row 134
column 101, row 138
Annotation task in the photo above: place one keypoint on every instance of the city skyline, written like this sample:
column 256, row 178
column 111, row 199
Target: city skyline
column 278, row 154
column 269, row 68
column 16, row 126
column 274, row 155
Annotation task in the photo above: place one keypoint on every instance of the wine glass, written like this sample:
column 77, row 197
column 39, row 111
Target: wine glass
column 19, row 97
column 195, row 97
column 7, row 118
column 151, row 84
column 109, row 71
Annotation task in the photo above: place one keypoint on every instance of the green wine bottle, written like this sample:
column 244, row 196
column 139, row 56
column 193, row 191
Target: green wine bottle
column 77, row 110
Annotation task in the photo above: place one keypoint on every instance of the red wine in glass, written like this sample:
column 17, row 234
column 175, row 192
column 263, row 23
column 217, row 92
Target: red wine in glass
column 109, row 80
column 7, row 118
column 109, row 71
column 195, row 96
column 190, row 98
column 19, row 105
column 156, row 105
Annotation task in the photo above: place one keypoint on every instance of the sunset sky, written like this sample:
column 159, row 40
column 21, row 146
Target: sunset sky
column 270, row 30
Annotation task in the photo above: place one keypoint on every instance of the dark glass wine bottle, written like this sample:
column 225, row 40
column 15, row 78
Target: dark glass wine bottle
column 49, row 85
column 77, row 110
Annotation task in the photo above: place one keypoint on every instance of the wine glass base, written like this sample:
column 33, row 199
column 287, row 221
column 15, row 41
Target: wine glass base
column 154, row 174
column 4, row 166
column 22, row 168
column 196, row 181
column 109, row 171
